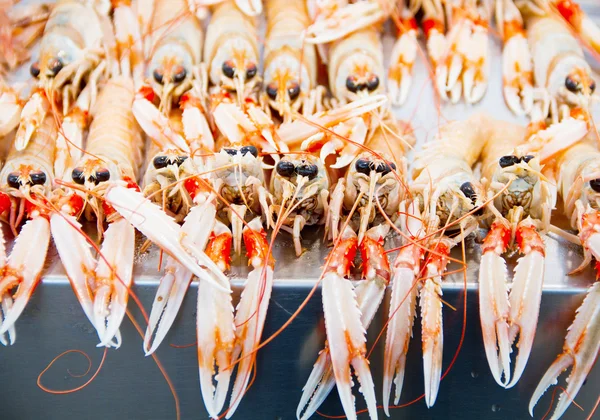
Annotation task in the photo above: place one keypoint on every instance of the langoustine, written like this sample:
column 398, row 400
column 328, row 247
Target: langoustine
column 360, row 207
column 577, row 171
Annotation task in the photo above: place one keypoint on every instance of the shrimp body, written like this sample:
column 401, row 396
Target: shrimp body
column 25, row 183
column 290, row 69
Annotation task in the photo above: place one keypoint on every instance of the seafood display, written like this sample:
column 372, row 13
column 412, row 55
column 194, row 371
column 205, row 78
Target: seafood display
column 173, row 130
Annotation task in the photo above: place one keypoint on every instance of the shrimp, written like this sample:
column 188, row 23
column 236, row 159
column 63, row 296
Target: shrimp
column 174, row 75
column 577, row 170
column 290, row 68
column 553, row 63
column 371, row 183
column 447, row 193
column 520, row 212
column 73, row 58
column 26, row 185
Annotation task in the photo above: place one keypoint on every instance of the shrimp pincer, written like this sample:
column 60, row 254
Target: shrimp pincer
column 578, row 171
column 26, row 184
column 520, row 214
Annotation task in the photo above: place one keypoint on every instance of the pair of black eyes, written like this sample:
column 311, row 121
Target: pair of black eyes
column 102, row 175
column 574, row 87
column 365, row 166
column 55, row 66
column 371, row 84
column 243, row 150
column 287, row 169
column 35, row 178
column 510, row 160
column 160, row 162
column 176, row 78
column 228, row 69
column 293, row 91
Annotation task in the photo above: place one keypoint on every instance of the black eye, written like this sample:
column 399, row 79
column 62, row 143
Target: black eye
column 77, row 176
column 228, row 69
column 571, row 84
column 363, row 166
column 594, row 183
column 55, row 66
column 593, row 86
column 38, row 178
column 251, row 71
column 35, row 69
column 159, row 162
column 13, row 180
column 506, row 161
column 179, row 76
column 294, row 91
column 179, row 160
column 468, row 191
column 285, row 168
column 307, row 170
column 158, row 76
column 527, row 158
column 231, row 152
column 249, row 149
column 351, row 84
column 373, row 83
column 383, row 168
column 102, row 175
column 393, row 165
column 272, row 91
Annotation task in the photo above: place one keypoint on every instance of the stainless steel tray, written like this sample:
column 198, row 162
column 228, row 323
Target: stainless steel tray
column 130, row 386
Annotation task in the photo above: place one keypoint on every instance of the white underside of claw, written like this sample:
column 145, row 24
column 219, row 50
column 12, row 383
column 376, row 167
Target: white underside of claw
column 560, row 136
column 163, row 231
column 28, row 261
column 76, row 257
column 404, row 54
column 399, row 331
column 32, row 116
column 114, row 274
column 250, row 319
column 516, row 66
column 346, row 336
column 580, row 350
column 10, row 112
column 156, row 125
column 525, row 298
column 432, row 334
column 494, row 312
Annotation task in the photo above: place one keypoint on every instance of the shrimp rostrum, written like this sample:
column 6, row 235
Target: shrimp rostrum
column 520, row 216
column 446, row 195
column 26, row 186
column 361, row 205
column 578, row 172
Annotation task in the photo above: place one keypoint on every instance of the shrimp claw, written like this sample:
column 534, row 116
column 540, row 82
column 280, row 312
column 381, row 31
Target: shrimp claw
column 346, row 334
column 580, row 351
column 505, row 315
column 22, row 269
column 252, row 309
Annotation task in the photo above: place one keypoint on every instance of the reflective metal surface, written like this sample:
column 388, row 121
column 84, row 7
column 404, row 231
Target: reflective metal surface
column 130, row 386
